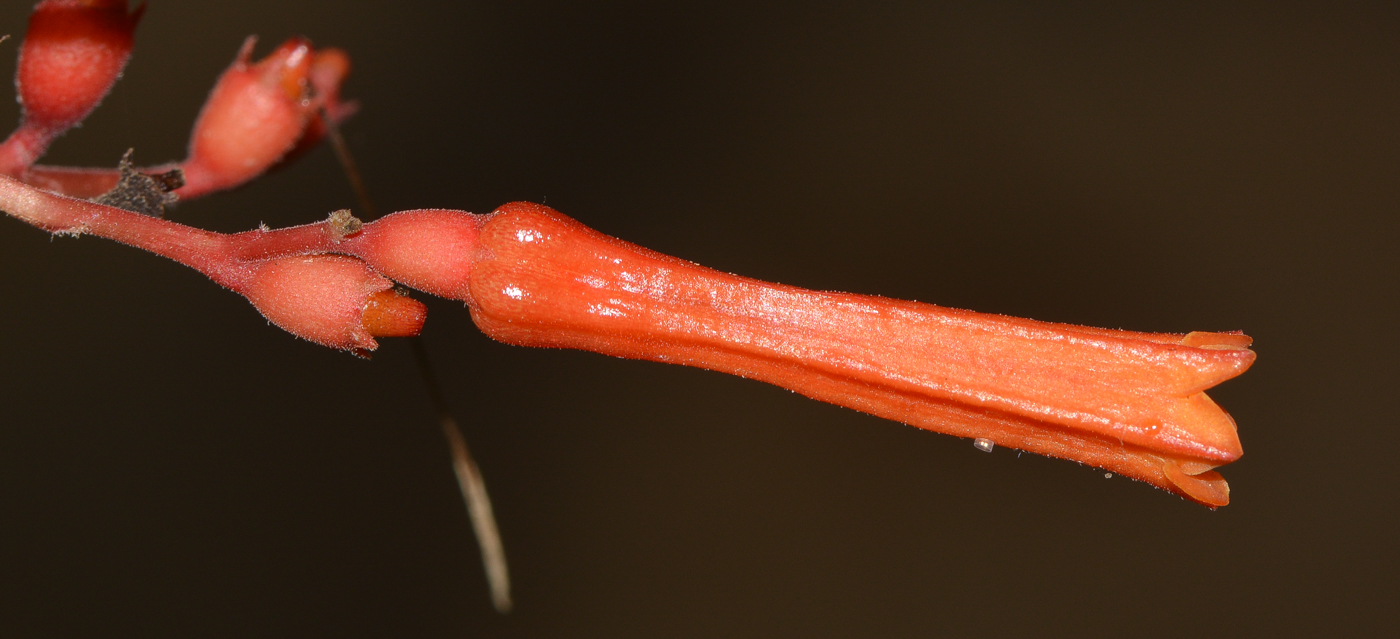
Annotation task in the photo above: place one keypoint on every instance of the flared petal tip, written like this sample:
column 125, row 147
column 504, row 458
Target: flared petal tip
column 1197, row 483
column 1233, row 340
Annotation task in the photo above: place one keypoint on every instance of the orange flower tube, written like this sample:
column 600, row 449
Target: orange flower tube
column 1131, row 403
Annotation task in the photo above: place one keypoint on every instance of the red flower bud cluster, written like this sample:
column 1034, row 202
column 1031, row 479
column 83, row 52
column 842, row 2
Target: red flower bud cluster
column 259, row 115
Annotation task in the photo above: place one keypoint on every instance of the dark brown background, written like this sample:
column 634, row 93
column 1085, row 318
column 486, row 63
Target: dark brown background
column 171, row 466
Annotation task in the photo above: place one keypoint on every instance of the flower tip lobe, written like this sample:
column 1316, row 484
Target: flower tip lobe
column 1206, row 487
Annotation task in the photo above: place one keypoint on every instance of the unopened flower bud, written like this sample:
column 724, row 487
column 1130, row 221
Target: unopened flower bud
column 254, row 115
column 331, row 300
column 72, row 54
column 393, row 314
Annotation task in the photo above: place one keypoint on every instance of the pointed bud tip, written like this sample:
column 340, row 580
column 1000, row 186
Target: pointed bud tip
column 389, row 314
column 288, row 67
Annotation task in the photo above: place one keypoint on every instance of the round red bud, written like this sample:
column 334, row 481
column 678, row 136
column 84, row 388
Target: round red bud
column 73, row 52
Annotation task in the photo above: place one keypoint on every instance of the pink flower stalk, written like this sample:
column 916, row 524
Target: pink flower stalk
column 72, row 54
column 331, row 300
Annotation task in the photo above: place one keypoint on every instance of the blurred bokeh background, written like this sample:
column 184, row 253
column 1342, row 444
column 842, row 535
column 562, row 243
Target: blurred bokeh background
column 172, row 466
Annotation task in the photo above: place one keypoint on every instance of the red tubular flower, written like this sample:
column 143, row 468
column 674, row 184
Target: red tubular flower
column 73, row 52
column 254, row 116
column 1132, row 403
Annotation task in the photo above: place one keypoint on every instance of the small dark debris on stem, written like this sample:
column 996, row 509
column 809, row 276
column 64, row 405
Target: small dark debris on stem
column 142, row 193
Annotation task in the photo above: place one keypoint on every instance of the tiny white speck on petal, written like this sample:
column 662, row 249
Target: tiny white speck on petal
column 983, row 444
column 1108, row 475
